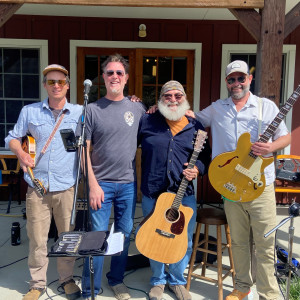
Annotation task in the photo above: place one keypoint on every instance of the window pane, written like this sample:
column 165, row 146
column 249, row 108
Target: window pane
column 11, row 60
column 91, row 68
column 30, row 61
column 164, row 69
column 2, row 135
column 180, row 67
column 93, row 95
column 1, row 61
column 31, row 86
column 149, row 96
column 1, row 86
column 13, row 109
column 149, row 70
column 2, row 118
column 12, row 86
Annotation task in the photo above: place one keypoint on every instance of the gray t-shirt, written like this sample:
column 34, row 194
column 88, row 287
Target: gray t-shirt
column 112, row 127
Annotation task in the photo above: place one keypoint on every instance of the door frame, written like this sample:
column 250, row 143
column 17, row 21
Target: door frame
column 197, row 47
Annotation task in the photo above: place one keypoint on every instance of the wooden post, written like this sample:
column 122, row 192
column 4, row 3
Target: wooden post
column 269, row 51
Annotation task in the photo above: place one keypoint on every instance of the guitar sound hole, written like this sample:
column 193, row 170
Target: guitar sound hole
column 172, row 214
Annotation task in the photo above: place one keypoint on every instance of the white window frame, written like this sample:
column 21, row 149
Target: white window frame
column 42, row 46
column 288, row 50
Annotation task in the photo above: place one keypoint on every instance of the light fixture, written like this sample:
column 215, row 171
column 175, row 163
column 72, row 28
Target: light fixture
column 142, row 30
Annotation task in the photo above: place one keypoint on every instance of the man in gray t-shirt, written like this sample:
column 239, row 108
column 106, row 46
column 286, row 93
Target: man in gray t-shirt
column 111, row 132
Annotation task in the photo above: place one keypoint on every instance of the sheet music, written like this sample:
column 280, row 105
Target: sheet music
column 115, row 242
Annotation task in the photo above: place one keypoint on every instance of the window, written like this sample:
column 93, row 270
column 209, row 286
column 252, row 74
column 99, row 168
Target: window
column 20, row 80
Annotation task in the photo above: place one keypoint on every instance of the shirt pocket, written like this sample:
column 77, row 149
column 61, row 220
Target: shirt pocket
column 39, row 129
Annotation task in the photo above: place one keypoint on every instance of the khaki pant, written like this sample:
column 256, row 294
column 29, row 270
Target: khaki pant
column 39, row 214
column 260, row 216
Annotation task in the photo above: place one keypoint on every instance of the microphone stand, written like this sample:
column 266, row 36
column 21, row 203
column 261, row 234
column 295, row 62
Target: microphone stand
column 293, row 212
column 82, row 147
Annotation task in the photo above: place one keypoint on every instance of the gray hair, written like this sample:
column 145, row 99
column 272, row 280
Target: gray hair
column 116, row 58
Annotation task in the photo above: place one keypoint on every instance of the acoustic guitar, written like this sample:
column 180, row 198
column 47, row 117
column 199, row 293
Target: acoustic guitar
column 29, row 146
column 163, row 234
column 239, row 175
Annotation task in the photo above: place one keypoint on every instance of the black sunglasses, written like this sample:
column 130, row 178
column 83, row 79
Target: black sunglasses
column 169, row 96
column 240, row 79
column 111, row 72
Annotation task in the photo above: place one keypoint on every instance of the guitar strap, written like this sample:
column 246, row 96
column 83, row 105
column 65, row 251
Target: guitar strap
column 51, row 136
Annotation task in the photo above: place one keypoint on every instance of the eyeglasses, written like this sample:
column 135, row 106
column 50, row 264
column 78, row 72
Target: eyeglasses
column 169, row 96
column 111, row 72
column 240, row 79
column 60, row 82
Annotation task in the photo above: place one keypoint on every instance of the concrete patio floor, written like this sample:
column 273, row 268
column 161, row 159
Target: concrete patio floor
column 14, row 274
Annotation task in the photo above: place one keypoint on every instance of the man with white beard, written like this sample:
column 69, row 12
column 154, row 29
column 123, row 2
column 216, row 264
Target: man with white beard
column 166, row 138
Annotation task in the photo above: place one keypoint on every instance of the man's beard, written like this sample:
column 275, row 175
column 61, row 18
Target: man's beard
column 240, row 95
column 173, row 115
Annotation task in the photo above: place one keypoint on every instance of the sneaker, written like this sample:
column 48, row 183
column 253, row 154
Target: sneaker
column 157, row 292
column 72, row 291
column 236, row 295
column 180, row 291
column 34, row 294
column 121, row 291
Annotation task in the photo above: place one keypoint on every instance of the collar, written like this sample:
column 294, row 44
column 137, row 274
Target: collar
column 45, row 104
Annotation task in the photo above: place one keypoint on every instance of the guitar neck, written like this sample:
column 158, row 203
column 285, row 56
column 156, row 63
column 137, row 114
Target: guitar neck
column 184, row 183
column 269, row 132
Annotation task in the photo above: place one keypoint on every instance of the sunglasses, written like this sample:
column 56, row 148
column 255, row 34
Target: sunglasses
column 111, row 72
column 240, row 79
column 169, row 96
column 60, row 82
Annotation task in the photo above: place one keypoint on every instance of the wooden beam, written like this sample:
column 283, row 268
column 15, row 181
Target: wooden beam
column 7, row 10
column 292, row 20
column 269, row 51
column 152, row 3
column 250, row 19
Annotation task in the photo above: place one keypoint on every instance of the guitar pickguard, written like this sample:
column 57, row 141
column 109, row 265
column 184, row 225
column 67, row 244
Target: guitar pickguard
column 254, row 172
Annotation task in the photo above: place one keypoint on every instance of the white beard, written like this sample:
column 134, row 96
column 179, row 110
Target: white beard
column 173, row 115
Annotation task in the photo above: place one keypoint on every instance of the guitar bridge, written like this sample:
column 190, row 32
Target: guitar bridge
column 164, row 233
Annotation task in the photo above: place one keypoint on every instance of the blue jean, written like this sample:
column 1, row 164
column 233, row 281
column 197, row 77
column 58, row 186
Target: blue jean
column 174, row 276
column 123, row 197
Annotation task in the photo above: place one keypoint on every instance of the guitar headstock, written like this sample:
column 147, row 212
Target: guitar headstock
column 200, row 140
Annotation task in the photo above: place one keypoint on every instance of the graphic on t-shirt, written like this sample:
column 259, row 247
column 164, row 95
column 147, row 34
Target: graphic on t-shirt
column 129, row 118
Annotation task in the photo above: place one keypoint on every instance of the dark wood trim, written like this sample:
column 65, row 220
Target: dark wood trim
column 250, row 19
column 152, row 3
column 292, row 20
column 7, row 11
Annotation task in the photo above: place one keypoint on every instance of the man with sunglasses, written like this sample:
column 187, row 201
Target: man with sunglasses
column 228, row 119
column 55, row 168
column 167, row 138
column 111, row 132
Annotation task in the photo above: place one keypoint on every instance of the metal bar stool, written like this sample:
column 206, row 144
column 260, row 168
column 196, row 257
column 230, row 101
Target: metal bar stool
column 217, row 217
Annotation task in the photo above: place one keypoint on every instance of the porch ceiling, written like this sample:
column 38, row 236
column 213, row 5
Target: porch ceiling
column 185, row 13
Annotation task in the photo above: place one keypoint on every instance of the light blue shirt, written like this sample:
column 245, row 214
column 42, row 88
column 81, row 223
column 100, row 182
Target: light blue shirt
column 227, row 125
column 57, row 168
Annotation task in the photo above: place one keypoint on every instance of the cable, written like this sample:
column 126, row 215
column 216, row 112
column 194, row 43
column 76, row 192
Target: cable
column 1, row 267
column 11, row 216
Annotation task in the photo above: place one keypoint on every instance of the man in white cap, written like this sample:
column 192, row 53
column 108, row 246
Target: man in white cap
column 166, row 137
column 228, row 119
column 56, row 173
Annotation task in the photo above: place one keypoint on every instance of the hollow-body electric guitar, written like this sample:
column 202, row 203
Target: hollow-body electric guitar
column 163, row 234
column 29, row 146
column 239, row 175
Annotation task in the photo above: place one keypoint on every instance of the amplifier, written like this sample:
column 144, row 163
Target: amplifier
column 288, row 169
